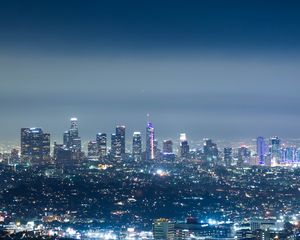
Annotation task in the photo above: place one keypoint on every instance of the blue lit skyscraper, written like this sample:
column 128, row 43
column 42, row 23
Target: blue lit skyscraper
column 275, row 148
column 261, row 149
column 150, row 153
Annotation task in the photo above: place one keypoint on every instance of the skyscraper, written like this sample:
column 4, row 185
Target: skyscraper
column 228, row 156
column 260, row 149
column 167, row 146
column 167, row 153
column 150, row 153
column 92, row 149
column 35, row 145
column 184, row 146
column 210, row 150
column 120, row 133
column 74, row 128
column 275, row 148
column 62, row 155
column 101, row 139
column 46, row 147
column 115, row 151
column 137, row 146
column 14, row 157
column 244, row 155
column 72, row 140
column 66, row 139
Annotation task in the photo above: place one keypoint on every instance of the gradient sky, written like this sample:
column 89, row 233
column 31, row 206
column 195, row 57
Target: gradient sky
column 220, row 69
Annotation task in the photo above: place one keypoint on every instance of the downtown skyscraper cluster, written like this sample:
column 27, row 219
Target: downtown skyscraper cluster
column 35, row 149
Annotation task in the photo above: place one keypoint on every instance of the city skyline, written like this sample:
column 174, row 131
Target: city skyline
column 175, row 135
column 153, row 120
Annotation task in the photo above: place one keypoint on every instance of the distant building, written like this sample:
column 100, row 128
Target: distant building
column 263, row 224
column 261, row 149
column 71, row 138
column 92, row 149
column 184, row 148
column 243, row 156
column 150, row 152
column 163, row 229
column 210, row 150
column 120, row 134
column 115, row 151
column 137, row 146
column 228, row 156
column 167, row 153
column 62, row 155
column 46, row 147
column 204, row 231
column 275, row 149
column 101, row 139
column 167, row 146
column 35, row 146
column 14, row 157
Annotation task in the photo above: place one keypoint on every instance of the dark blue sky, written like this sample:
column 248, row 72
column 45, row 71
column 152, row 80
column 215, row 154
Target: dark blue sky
column 208, row 68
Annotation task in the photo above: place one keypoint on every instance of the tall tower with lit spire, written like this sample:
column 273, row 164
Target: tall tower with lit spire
column 150, row 154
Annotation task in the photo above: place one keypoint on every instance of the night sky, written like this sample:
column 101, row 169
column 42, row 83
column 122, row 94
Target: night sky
column 220, row 69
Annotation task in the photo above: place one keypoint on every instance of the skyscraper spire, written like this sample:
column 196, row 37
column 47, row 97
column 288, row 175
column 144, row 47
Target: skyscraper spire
column 150, row 155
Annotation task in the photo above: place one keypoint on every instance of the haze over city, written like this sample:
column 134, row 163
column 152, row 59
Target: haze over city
column 226, row 69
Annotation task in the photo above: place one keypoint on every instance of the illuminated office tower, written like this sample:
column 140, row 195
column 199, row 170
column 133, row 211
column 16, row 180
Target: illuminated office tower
column 167, row 153
column 167, row 146
column 62, row 155
column 184, row 146
column 283, row 155
column 137, row 146
column 46, row 147
column 244, row 156
column 115, row 147
column 76, row 145
column 261, row 150
column 120, row 133
column 66, row 139
column 101, row 139
column 163, row 229
column 35, row 145
column 74, row 128
column 92, row 150
column 210, row 150
column 150, row 153
column 25, row 143
column 291, row 155
column 14, row 157
column 157, row 151
column 71, row 138
column 275, row 148
column 228, row 156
